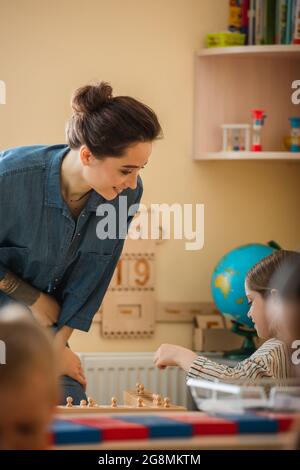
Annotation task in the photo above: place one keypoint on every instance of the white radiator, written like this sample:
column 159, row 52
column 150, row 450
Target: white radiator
column 109, row 374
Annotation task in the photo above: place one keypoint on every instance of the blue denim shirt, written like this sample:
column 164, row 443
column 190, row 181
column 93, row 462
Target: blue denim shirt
column 42, row 243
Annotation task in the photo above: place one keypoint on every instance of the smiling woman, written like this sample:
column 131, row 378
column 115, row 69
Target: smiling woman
column 56, row 264
column 110, row 140
column 83, row 172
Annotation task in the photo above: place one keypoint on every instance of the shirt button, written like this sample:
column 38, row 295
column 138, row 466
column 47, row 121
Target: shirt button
column 78, row 234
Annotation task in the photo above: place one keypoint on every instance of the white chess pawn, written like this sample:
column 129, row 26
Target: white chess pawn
column 141, row 389
column 114, row 402
column 167, row 402
column 91, row 402
column 158, row 399
column 69, row 402
column 82, row 403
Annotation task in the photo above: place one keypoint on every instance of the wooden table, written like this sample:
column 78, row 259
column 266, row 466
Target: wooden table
column 244, row 442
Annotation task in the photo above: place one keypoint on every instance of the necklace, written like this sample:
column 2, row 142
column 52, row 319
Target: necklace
column 81, row 197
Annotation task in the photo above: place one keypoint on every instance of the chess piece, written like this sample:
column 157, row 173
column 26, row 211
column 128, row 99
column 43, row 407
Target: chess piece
column 114, row 403
column 139, row 388
column 166, row 402
column 82, row 403
column 140, row 402
column 69, row 402
column 154, row 398
column 158, row 399
column 91, row 402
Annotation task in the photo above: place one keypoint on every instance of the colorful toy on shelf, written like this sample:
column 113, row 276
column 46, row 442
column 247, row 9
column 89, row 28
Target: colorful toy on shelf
column 235, row 15
column 236, row 137
column 258, row 120
column 296, row 37
column 295, row 134
column 225, row 39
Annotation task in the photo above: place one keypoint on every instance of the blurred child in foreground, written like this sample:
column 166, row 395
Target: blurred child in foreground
column 28, row 378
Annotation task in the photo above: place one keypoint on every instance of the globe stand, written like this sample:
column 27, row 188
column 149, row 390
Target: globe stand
column 248, row 347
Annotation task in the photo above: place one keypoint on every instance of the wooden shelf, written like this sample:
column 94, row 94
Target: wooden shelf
column 230, row 82
column 274, row 50
column 256, row 156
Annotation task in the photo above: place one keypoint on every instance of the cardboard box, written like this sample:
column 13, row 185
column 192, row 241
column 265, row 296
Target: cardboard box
column 215, row 340
column 214, row 320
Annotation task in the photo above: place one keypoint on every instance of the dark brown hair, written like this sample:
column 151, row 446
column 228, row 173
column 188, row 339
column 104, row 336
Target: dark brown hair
column 280, row 271
column 108, row 125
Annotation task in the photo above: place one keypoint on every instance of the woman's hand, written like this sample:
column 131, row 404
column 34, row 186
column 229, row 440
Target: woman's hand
column 70, row 365
column 45, row 309
column 172, row 355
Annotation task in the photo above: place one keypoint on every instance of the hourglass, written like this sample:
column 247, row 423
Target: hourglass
column 236, row 137
column 258, row 120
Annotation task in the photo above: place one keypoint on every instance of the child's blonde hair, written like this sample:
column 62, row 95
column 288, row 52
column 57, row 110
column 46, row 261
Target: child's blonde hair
column 27, row 348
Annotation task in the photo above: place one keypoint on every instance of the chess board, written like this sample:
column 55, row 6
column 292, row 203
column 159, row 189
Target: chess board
column 108, row 409
column 135, row 401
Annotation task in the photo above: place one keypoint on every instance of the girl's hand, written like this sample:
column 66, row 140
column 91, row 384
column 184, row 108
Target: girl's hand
column 172, row 355
column 70, row 365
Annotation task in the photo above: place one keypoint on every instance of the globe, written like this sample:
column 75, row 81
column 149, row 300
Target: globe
column 228, row 279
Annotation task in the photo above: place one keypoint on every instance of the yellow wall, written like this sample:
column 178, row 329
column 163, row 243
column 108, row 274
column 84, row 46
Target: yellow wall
column 145, row 48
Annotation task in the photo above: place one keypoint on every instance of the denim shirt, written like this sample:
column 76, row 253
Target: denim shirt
column 42, row 243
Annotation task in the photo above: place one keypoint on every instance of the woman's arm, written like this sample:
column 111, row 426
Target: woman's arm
column 62, row 336
column 44, row 308
column 69, row 362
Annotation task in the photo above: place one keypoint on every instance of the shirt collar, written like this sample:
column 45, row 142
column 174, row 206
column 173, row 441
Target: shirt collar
column 53, row 189
column 94, row 201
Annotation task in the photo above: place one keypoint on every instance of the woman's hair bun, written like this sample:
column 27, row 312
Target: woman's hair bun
column 91, row 98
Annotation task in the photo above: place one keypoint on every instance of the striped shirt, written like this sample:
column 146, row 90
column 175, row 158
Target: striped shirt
column 271, row 360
